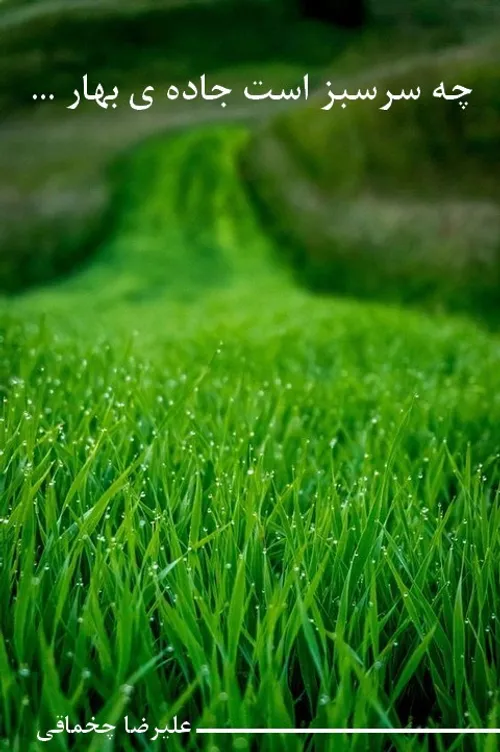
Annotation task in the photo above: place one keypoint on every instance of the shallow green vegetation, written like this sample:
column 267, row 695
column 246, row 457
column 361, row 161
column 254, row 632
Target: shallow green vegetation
column 260, row 508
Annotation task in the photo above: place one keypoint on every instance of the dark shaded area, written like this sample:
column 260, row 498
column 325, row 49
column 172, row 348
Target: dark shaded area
column 418, row 703
column 350, row 14
column 62, row 243
column 350, row 278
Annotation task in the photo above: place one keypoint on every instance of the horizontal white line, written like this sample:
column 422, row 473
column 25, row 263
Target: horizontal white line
column 337, row 731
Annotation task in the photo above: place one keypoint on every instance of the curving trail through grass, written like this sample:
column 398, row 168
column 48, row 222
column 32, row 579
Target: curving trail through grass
column 261, row 509
column 182, row 229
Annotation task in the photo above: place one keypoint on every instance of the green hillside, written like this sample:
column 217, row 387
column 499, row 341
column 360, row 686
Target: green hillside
column 400, row 204
column 222, row 496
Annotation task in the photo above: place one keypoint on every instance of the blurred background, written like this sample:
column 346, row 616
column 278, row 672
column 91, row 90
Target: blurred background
column 400, row 205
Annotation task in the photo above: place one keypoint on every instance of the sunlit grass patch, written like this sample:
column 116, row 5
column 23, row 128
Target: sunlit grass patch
column 296, row 528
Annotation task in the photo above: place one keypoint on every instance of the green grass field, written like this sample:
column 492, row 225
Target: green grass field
column 227, row 499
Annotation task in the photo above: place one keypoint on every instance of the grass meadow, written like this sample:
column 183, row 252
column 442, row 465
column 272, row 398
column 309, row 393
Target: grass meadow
column 227, row 499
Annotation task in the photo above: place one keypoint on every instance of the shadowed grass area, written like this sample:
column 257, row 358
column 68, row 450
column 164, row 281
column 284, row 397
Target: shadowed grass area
column 401, row 204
